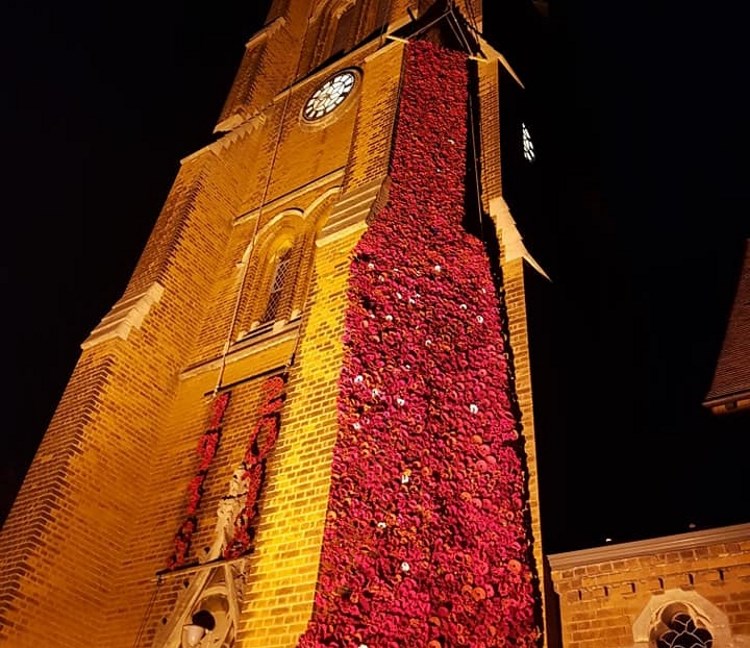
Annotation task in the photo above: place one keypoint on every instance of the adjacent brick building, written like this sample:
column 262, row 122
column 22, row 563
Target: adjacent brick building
column 691, row 589
column 730, row 388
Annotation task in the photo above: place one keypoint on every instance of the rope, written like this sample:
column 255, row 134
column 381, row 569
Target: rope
column 253, row 241
column 472, row 15
column 382, row 20
column 383, row 29
column 147, row 613
column 383, row 8
column 243, row 279
column 454, row 26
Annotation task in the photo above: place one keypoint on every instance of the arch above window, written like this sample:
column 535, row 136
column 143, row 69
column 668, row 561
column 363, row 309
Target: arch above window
column 337, row 28
column 689, row 613
column 331, row 9
column 345, row 30
column 277, row 276
column 278, row 265
column 680, row 626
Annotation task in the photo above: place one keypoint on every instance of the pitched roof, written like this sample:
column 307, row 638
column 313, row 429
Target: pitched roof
column 731, row 382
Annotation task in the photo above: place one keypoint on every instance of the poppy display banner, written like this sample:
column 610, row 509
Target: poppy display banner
column 208, row 445
column 260, row 444
column 427, row 540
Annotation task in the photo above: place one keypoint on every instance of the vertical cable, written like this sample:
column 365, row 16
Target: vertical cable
column 472, row 15
column 264, row 197
column 147, row 613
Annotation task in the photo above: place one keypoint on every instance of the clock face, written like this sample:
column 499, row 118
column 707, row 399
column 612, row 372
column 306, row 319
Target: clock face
column 329, row 96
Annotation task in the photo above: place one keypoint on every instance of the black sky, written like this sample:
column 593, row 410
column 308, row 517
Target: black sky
column 640, row 122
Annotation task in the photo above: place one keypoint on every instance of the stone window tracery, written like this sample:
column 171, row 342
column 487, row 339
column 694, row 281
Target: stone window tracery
column 680, row 627
column 679, row 618
column 275, row 287
column 282, row 277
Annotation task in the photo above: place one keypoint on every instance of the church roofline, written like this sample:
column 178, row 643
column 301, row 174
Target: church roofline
column 730, row 386
column 728, row 399
column 662, row 544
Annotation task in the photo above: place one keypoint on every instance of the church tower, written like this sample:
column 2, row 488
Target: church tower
column 308, row 420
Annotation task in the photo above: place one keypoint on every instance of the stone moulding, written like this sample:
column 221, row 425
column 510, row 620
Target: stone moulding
column 679, row 542
column 352, row 212
column 124, row 316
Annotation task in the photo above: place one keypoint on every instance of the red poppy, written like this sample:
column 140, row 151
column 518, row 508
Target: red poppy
column 454, row 512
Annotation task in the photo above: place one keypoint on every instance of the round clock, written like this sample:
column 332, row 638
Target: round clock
column 329, row 96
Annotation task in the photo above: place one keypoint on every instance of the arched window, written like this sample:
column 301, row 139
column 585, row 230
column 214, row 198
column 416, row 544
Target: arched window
column 375, row 18
column 277, row 275
column 281, row 279
column 680, row 627
column 337, row 30
column 340, row 25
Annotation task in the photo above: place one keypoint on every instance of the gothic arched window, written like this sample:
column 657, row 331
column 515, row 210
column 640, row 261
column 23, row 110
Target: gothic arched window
column 275, row 285
column 279, row 287
column 337, row 29
column 350, row 21
column 679, row 628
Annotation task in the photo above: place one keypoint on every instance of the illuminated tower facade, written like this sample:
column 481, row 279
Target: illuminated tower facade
column 308, row 420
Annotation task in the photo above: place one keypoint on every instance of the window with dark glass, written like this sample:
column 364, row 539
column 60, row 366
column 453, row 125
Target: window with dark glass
column 682, row 631
column 281, row 275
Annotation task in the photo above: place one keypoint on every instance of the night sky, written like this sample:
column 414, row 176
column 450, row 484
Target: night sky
column 640, row 125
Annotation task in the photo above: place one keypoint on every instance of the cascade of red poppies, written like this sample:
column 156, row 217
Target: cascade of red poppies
column 260, row 445
column 208, row 445
column 426, row 540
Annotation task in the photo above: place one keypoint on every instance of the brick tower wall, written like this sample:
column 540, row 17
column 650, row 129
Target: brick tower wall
column 95, row 519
